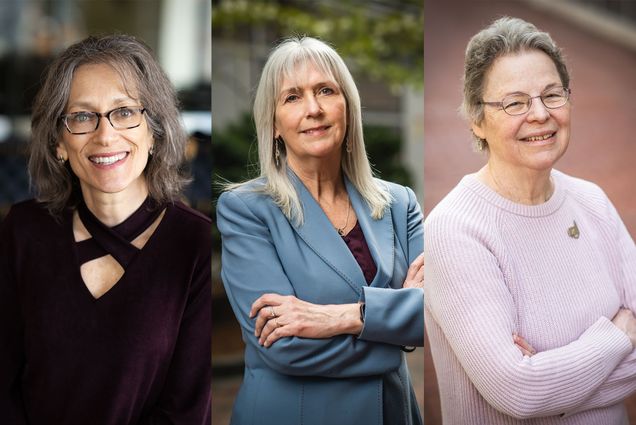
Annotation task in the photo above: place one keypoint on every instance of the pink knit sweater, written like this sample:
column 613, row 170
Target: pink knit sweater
column 494, row 268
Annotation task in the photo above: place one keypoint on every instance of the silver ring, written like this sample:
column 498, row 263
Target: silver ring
column 272, row 312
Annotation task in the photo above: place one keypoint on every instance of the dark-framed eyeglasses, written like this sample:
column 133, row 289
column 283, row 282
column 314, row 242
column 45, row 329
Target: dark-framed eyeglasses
column 122, row 118
column 520, row 103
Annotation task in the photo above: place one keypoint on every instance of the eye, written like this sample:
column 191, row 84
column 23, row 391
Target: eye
column 82, row 117
column 291, row 98
column 124, row 112
column 326, row 90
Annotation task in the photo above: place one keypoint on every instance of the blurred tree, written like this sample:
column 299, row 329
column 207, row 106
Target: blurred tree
column 382, row 38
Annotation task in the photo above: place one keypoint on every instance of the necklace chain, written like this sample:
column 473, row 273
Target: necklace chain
column 341, row 230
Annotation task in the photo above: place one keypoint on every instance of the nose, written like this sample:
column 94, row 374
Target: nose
column 312, row 106
column 105, row 133
column 538, row 111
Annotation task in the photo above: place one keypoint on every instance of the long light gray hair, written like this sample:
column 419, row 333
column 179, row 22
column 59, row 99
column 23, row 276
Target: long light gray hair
column 284, row 62
column 504, row 36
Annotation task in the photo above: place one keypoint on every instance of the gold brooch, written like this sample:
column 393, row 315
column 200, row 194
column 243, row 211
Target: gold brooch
column 573, row 231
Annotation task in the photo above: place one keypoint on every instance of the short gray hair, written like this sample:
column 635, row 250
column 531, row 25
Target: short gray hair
column 281, row 63
column 504, row 36
column 54, row 182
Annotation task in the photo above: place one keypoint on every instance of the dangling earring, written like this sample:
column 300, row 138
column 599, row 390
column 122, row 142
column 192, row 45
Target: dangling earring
column 348, row 146
column 277, row 152
column 61, row 159
column 151, row 151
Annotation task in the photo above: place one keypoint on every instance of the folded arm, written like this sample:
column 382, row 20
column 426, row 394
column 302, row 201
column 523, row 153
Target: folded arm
column 468, row 298
column 250, row 269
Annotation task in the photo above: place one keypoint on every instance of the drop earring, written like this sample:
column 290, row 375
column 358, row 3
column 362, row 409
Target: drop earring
column 151, row 150
column 348, row 146
column 277, row 152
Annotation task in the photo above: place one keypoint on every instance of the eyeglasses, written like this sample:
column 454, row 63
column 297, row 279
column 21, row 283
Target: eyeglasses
column 84, row 122
column 520, row 103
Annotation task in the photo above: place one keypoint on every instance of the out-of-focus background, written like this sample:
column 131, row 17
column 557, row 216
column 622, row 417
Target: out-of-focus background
column 599, row 41
column 32, row 32
column 381, row 42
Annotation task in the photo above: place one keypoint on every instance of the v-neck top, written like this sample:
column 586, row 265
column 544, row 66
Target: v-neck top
column 139, row 354
column 358, row 246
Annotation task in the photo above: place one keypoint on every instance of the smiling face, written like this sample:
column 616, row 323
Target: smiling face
column 106, row 161
column 536, row 139
column 311, row 116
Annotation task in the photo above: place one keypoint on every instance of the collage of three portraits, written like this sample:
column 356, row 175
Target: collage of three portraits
column 337, row 212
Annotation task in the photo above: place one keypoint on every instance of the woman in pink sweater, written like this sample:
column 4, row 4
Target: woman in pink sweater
column 519, row 248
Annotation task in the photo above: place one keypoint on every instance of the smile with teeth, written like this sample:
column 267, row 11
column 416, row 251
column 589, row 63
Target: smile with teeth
column 539, row 138
column 107, row 160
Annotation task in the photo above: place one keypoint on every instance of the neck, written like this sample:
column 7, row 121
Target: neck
column 520, row 185
column 323, row 179
column 113, row 208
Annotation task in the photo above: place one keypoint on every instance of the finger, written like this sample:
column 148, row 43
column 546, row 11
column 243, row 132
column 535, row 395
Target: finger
column 524, row 351
column 265, row 300
column 270, row 328
column 415, row 266
column 278, row 333
column 524, row 344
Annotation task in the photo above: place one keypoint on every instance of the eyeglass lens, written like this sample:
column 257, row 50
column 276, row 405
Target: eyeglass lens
column 520, row 103
column 120, row 118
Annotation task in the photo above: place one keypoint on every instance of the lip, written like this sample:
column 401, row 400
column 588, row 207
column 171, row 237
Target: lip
column 316, row 130
column 108, row 160
column 546, row 137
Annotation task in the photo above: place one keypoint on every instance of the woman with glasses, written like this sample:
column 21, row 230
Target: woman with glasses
column 521, row 249
column 105, row 279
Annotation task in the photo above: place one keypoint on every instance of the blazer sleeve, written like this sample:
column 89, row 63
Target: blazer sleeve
column 251, row 268
column 185, row 398
column 396, row 316
column 11, row 333
column 467, row 297
column 621, row 383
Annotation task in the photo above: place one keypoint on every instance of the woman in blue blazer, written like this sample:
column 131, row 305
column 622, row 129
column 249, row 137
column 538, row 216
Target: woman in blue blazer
column 321, row 261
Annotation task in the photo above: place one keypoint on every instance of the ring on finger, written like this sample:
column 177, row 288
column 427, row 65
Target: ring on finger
column 272, row 313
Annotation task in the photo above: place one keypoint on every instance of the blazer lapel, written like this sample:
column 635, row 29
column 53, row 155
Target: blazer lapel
column 319, row 234
column 379, row 235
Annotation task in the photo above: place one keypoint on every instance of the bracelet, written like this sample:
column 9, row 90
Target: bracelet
column 362, row 310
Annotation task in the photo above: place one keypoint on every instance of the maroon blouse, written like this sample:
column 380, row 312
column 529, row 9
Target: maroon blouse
column 358, row 246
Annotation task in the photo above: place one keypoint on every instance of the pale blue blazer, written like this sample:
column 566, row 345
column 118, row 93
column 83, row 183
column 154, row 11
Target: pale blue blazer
column 334, row 381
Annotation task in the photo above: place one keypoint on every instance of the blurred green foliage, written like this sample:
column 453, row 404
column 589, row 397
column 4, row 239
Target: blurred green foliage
column 380, row 38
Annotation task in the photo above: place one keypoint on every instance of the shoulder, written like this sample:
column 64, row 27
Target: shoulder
column 190, row 214
column 579, row 188
column 461, row 214
column 185, row 224
column 400, row 195
column 584, row 193
column 31, row 213
column 248, row 197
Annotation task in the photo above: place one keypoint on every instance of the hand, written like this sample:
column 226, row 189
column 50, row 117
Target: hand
column 415, row 274
column 279, row 316
column 626, row 322
column 524, row 346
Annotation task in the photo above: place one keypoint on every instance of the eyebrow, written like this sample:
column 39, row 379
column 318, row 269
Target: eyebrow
column 118, row 101
column 547, row 87
column 296, row 89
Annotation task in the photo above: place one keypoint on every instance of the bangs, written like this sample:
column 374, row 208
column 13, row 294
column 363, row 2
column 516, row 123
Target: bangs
column 295, row 64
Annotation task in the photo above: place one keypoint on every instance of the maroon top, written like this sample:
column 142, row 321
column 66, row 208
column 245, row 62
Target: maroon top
column 139, row 354
column 358, row 246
